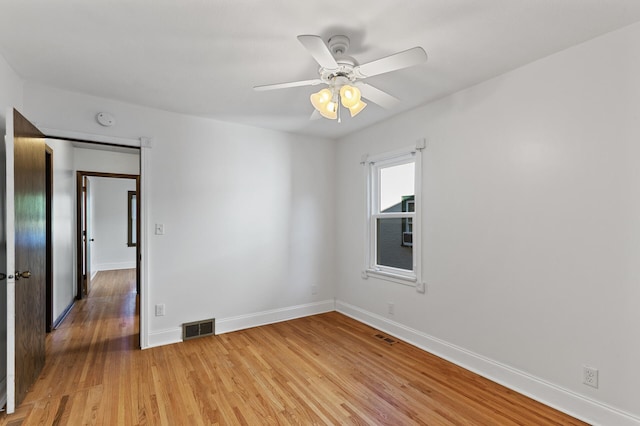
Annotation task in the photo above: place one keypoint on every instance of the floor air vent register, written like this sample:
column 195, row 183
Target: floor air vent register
column 385, row 339
column 193, row 330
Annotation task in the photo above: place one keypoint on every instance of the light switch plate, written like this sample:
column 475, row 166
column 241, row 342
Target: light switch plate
column 160, row 310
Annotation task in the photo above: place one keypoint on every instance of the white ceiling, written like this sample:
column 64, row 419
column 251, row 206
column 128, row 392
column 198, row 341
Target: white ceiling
column 202, row 57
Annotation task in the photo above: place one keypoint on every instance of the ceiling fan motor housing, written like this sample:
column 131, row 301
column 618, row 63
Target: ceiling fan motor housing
column 339, row 44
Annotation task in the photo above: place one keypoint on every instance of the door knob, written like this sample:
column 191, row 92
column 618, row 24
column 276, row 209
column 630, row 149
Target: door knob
column 25, row 274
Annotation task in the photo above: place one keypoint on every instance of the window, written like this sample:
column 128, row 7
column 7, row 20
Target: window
column 392, row 250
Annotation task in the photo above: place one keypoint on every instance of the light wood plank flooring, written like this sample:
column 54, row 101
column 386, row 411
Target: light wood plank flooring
column 325, row 369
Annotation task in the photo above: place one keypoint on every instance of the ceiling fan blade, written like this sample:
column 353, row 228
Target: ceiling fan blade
column 287, row 85
column 318, row 50
column 377, row 96
column 394, row 62
column 315, row 115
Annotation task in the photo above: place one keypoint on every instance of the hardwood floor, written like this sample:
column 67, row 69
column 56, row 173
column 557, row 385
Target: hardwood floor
column 325, row 369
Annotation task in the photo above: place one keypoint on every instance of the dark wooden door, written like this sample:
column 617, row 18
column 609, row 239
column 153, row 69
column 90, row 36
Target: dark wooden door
column 29, row 256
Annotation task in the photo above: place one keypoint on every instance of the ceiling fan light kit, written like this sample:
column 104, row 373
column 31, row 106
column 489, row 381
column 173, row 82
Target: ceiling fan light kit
column 343, row 76
column 326, row 101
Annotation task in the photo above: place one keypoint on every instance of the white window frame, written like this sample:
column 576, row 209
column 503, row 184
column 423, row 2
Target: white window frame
column 373, row 165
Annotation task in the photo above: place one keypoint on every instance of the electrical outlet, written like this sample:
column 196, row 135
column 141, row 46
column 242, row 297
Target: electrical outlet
column 160, row 309
column 391, row 308
column 590, row 376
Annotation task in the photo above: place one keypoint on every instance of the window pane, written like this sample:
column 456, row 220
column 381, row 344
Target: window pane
column 393, row 247
column 396, row 184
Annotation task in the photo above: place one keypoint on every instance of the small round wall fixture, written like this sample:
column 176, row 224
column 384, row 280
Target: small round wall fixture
column 105, row 119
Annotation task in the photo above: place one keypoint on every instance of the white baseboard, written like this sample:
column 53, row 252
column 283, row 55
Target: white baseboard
column 113, row 266
column 241, row 322
column 578, row 406
column 164, row 337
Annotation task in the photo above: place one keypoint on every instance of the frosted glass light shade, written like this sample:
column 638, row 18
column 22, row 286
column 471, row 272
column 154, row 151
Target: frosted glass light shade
column 320, row 99
column 349, row 96
column 330, row 110
column 323, row 103
column 355, row 110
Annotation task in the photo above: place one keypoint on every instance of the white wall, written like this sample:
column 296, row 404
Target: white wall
column 248, row 213
column 11, row 91
column 531, row 190
column 97, row 160
column 63, row 228
column 109, row 250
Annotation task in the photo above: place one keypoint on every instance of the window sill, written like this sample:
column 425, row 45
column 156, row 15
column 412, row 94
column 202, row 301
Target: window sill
column 390, row 276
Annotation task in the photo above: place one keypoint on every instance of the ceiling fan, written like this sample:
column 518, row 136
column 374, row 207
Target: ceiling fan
column 344, row 76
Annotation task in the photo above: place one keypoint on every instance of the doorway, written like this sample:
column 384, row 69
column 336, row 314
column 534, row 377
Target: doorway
column 83, row 227
column 45, row 270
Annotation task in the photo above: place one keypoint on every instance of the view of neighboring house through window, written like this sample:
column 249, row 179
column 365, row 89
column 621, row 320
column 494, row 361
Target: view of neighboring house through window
column 408, row 205
column 391, row 215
